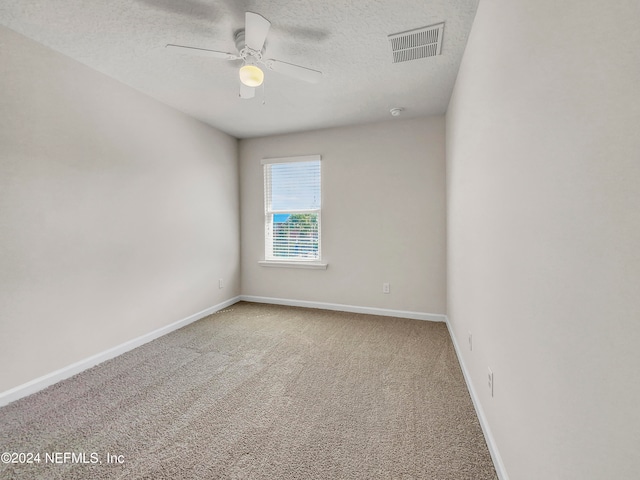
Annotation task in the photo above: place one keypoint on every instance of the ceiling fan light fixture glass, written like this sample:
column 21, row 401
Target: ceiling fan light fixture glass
column 251, row 75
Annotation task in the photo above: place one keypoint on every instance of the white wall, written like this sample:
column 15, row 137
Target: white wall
column 383, row 217
column 543, row 178
column 117, row 214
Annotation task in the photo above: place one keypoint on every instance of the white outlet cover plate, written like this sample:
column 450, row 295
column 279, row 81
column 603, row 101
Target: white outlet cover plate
column 490, row 381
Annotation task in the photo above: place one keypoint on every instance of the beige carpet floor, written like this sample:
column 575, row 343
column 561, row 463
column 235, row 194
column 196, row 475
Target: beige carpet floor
column 260, row 392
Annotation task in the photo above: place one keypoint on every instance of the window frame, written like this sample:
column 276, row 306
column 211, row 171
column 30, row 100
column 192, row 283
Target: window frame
column 269, row 259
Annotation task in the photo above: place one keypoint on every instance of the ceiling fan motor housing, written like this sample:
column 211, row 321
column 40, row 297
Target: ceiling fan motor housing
column 243, row 50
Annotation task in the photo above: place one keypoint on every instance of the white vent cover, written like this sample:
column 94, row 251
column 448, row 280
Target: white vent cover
column 419, row 43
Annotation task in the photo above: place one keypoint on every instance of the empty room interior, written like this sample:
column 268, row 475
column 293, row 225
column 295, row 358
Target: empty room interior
column 307, row 239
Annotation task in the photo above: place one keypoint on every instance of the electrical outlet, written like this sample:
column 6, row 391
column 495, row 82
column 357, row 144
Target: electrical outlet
column 490, row 381
column 220, row 283
column 386, row 288
column 470, row 341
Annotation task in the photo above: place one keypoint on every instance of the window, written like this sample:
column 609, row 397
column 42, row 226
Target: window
column 292, row 198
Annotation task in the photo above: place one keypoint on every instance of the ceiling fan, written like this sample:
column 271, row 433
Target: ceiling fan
column 250, row 43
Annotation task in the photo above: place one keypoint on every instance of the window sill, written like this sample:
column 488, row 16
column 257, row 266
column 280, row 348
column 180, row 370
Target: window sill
column 281, row 264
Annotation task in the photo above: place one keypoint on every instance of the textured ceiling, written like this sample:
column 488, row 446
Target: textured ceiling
column 346, row 40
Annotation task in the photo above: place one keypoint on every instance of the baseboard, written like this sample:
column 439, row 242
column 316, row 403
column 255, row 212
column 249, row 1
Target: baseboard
column 433, row 317
column 54, row 377
column 491, row 444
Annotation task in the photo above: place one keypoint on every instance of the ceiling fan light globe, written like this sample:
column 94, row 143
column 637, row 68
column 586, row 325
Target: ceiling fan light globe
column 251, row 76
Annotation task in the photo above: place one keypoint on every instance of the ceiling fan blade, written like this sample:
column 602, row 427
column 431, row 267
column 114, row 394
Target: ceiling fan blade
column 247, row 92
column 255, row 30
column 202, row 52
column 295, row 71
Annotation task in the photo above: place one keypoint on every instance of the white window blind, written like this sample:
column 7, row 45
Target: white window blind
column 292, row 208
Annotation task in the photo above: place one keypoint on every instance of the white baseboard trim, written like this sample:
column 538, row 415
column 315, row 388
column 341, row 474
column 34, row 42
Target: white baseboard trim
column 433, row 317
column 493, row 449
column 54, row 377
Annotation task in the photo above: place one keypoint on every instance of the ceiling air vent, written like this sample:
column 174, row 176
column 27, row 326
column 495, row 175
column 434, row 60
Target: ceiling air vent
column 419, row 43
